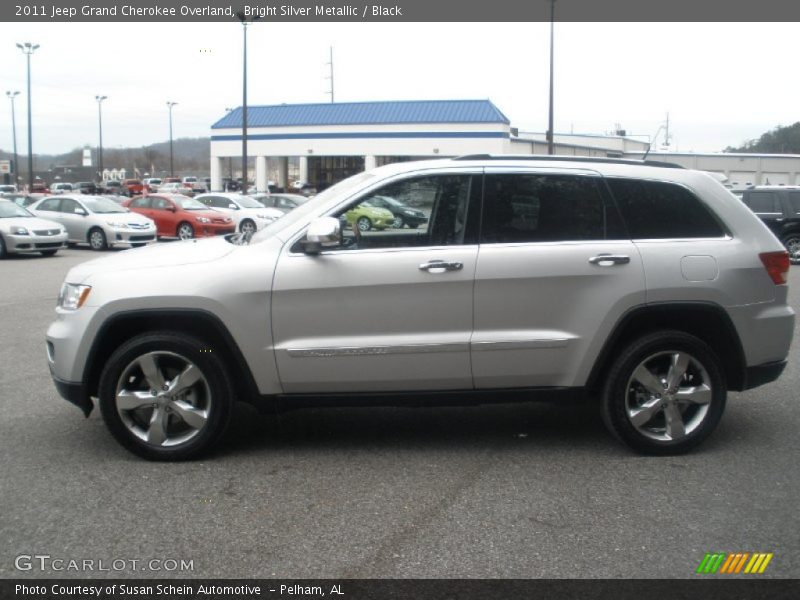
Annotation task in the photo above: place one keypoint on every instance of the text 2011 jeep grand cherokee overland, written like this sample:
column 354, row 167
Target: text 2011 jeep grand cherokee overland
column 650, row 286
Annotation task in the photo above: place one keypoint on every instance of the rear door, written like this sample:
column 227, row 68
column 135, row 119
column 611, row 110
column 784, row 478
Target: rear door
column 555, row 272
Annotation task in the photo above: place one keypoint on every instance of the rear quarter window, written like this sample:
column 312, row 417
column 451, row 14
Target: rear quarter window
column 763, row 202
column 660, row 210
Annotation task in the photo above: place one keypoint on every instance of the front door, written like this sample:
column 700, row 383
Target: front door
column 389, row 310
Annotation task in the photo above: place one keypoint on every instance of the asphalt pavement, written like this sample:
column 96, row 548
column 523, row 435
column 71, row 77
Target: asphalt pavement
column 503, row 491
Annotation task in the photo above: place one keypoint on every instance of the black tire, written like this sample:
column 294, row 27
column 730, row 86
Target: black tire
column 185, row 231
column 414, row 226
column 364, row 224
column 3, row 252
column 399, row 222
column 247, row 226
column 214, row 394
column 624, row 397
column 48, row 252
column 792, row 243
column 97, row 239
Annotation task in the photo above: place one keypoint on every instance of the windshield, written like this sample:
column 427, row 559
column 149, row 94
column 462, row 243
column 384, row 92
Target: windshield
column 301, row 213
column 187, row 203
column 248, row 202
column 102, row 206
column 9, row 209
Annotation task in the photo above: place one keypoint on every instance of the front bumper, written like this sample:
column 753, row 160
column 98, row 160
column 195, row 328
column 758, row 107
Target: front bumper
column 34, row 243
column 212, row 229
column 74, row 393
column 128, row 237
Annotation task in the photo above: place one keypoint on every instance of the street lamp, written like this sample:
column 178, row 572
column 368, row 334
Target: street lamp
column 11, row 96
column 28, row 49
column 241, row 16
column 550, row 146
column 230, row 158
column 171, row 166
column 100, row 126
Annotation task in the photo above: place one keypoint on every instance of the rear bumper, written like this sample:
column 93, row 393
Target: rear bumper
column 761, row 374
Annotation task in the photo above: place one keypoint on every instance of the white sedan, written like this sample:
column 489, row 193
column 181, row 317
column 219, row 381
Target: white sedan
column 248, row 214
column 21, row 232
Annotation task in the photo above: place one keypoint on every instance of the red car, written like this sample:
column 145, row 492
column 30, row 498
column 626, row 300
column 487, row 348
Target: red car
column 132, row 187
column 180, row 216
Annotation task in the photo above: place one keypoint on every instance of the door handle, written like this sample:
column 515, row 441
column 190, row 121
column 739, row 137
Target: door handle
column 608, row 260
column 438, row 266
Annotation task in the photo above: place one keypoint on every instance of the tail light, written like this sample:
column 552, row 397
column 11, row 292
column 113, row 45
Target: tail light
column 777, row 265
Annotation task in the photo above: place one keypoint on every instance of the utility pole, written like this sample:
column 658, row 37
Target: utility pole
column 171, row 164
column 241, row 16
column 27, row 50
column 12, row 96
column 330, row 76
column 550, row 145
column 100, row 127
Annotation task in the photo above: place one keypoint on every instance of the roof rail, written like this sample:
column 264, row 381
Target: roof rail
column 580, row 159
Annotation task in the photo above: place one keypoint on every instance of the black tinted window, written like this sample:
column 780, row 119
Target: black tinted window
column 658, row 210
column 794, row 202
column 50, row 205
column 763, row 202
column 542, row 208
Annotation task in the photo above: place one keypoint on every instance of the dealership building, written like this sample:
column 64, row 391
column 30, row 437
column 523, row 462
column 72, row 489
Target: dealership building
column 324, row 143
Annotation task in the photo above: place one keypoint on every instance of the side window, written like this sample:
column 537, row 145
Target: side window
column 763, row 202
column 50, row 205
column 69, row 206
column 659, row 210
column 142, row 202
column 543, row 208
column 439, row 210
column 794, row 202
column 161, row 204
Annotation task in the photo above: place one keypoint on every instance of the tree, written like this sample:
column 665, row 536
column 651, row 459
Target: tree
column 781, row 140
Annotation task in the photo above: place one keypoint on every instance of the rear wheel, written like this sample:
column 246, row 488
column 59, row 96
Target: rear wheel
column 364, row 224
column 185, row 231
column 792, row 243
column 97, row 239
column 664, row 394
column 165, row 396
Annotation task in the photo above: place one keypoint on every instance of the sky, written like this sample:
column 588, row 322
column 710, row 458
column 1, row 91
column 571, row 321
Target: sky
column 721, row 83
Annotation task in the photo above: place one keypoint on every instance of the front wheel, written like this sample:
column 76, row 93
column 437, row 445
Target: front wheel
column 364, row 224
column 399, row 222
column 792, row 244
column 185, row 231
column 664, row 394
column 165, row 396
column 97, row 239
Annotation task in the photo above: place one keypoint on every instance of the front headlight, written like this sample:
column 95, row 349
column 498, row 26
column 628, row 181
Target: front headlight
column 73, row 296
column 203, row 220
column 266, row 217
column 19, row 231
column 115, row 225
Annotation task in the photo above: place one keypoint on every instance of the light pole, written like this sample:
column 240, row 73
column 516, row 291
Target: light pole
column 12, row 96
column 28, row 49
column 241, row 16
column 171, row 165
column 100, row 127
column 230, row 160
column 550, row 146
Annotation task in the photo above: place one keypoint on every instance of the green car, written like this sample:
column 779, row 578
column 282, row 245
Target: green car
column 366, row 216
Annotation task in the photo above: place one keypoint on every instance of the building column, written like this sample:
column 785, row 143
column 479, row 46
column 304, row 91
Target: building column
column 303, row 169
column 216, row 173
column 261, row 174
column 369, row 162
column 283, row 172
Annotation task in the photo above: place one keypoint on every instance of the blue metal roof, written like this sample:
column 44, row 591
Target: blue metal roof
column 365, row 113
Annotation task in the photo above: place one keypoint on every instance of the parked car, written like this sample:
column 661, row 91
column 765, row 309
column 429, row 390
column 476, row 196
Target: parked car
column 639, row 284
column 21, row 232
column 113, row 187
column 402, row 213
column 779, row 208
column 8, row 189
column 194, row 184
column 367, row 216
column 181, row 216
column 39, row 187
column 132, row 187
column 176, row 188
column 248, row 215
column 87, row 187
column 151, row 184
column 283, row 202
column 96, row 221
column 24, row 200
column 61, row 188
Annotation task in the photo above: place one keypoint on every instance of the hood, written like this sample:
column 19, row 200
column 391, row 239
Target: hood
column 172, row 254
column 127, row 217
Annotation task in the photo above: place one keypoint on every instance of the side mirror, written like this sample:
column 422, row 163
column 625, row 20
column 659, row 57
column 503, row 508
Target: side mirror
column 232, row 206
column 172, row 209
column 325, row 232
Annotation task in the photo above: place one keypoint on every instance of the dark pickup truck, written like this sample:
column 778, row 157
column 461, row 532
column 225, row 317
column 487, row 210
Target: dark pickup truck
column 779, row 208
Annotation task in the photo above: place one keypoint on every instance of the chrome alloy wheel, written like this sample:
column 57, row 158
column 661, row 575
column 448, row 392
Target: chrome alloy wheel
column 163, row 399
column 668, row 396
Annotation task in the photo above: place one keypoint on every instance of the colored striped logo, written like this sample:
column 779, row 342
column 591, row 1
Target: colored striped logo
column 735, row 563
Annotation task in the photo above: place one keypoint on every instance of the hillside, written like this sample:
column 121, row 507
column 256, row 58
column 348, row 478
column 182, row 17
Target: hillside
column 781, row 140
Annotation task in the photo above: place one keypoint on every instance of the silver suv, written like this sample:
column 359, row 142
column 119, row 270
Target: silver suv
column 647, row 286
